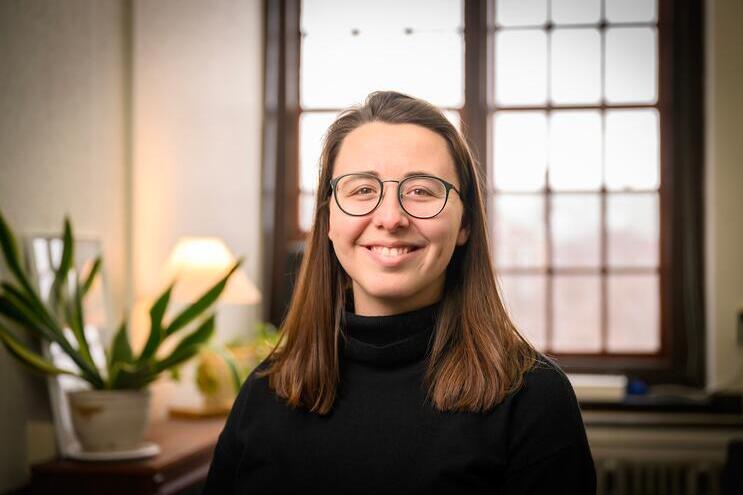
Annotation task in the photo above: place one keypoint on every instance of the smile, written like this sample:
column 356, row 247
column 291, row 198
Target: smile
column 392, row 257
column 391, row 252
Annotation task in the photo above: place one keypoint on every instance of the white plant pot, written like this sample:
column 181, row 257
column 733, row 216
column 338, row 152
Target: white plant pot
column 109, row 420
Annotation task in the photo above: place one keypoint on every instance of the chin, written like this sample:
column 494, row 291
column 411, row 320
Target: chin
column 394, row 292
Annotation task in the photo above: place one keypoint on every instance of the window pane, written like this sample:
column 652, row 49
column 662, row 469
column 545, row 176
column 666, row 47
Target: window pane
column 632, row 151
column 520, row 150
column 631, row 65
column 341, row 15
column 632, row 229
column 521, row 67
column 524, row 297
column 634, row 320
column 575, row 150
column 312, row 127
column 577, row 313
column 576, row 66
column 519, row 239
column 631, row 10
column 576, row 11
column 576, row 230
column 306, row 210
column 340, row 70
column 521, row 12
column 454, row 118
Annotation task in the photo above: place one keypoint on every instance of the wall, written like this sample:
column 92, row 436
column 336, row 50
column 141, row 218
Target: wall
column 198, row 107
column 62, row 136
column 724, row 191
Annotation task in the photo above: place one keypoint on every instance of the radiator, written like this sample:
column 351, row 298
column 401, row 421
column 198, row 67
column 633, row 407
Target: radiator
column 624, row 477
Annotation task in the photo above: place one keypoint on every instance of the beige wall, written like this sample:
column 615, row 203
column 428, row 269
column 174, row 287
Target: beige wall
column 198, row 85
column 198, row 107
column 62, row 137
column 724, row 191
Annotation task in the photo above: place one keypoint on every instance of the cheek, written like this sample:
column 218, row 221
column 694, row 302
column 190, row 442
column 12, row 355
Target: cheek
column 444, row 234
column 343, row 229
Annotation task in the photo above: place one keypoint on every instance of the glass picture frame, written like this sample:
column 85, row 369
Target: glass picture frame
column 43, row 254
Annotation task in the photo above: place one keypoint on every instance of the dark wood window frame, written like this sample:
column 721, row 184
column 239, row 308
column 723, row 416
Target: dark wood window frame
column 681, row 98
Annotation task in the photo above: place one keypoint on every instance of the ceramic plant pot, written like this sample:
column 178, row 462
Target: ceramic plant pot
column 109, row 420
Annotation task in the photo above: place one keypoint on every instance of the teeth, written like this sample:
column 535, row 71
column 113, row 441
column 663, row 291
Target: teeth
column 385, row 251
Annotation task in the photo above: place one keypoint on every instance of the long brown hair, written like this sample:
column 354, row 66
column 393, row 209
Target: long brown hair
column 477, row 357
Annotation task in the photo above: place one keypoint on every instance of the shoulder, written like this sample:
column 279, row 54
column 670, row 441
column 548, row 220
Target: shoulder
column 545, row 417
column 546, row 383
column 255, row 387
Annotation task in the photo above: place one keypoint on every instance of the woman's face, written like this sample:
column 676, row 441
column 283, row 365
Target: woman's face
column 386, row 281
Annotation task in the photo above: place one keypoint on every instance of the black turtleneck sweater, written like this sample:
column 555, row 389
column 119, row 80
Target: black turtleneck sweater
column 383, row 436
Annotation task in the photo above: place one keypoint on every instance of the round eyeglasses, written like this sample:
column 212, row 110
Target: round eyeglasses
column 420, row 196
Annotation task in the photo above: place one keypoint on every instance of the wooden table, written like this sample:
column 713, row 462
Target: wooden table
column 181, row 467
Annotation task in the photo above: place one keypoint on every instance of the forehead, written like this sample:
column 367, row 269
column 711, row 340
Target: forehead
column 394, row 150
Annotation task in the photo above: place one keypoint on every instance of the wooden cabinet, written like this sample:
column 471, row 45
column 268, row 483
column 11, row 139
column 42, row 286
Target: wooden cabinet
column 181, row 467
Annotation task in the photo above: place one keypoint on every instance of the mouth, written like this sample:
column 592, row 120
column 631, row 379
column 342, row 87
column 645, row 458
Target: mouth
column 392, row 252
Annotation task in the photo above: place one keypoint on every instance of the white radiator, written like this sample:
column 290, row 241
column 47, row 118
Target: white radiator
column 625, row 477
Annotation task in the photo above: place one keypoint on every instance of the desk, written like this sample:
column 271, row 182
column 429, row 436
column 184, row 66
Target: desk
column 187, row 448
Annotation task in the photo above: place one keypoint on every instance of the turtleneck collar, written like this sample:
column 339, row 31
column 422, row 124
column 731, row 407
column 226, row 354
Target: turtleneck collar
column 389, row 340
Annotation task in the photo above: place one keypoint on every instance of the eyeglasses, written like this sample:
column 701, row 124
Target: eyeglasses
column 420, row 196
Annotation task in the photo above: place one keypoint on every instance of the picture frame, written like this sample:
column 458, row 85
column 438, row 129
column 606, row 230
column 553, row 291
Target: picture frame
column 43, row 254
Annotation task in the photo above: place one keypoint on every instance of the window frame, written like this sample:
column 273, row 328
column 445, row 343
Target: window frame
column 680, row 102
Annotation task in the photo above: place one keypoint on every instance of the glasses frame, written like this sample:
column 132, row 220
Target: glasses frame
column 448, row 186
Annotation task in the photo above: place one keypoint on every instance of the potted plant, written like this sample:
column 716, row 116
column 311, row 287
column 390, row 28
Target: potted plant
column 221, row 370
column 111, row 415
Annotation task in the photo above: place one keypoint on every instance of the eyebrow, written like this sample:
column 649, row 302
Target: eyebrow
column 409, row 174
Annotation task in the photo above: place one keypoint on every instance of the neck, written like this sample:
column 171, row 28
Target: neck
column 366, row 305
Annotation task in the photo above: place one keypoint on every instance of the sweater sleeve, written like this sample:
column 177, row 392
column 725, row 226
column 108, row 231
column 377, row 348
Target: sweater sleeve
column 548, row 447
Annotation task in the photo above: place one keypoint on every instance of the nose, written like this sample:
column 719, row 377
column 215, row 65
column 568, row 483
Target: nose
column 389, row 214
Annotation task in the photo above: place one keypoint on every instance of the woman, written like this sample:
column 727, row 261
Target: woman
column 399, row 370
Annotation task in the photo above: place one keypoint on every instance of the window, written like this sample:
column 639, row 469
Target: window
column 576, row 173
column 576, row 109
column 349, row 49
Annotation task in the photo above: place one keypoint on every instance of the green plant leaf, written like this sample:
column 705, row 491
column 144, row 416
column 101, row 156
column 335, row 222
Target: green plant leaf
column 202, row 304
column 38, row 328
column 189, row 346
column 34, row 305
column 88, row 282
column 76, row 321
column 28, row 357
column 232, row 365
column 68, row 256
column 119, row 353
column 12, row 313
column 17, row 306
column 132, row 376
column 10, row 253
column 157, row 332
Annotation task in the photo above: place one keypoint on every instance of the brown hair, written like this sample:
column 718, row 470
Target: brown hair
column 477, row 357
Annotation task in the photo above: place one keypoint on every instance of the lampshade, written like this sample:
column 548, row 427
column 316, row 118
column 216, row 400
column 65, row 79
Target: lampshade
column 197, row 263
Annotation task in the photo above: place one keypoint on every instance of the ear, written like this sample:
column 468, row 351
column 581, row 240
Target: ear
column 463, row 235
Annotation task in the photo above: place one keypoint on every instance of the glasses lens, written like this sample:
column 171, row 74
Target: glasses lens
column 422, row 196
column 357, row 194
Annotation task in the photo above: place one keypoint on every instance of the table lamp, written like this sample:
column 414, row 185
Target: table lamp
column 197, row 263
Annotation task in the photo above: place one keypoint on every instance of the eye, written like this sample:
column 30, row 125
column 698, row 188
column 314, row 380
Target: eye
column 419, row 191
column 363, row 191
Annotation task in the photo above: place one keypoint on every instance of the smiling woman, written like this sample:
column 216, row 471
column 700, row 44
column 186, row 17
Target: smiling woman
column 398, row 369
column 396, row 262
